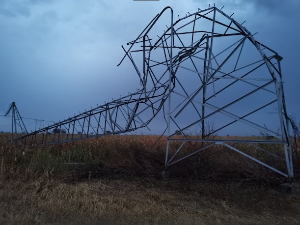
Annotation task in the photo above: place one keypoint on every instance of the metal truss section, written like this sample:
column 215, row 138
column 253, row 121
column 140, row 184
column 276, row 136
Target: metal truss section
column 119, row 116
column 200, row 68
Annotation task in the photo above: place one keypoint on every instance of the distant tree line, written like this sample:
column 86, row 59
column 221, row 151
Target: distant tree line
column 59, row 131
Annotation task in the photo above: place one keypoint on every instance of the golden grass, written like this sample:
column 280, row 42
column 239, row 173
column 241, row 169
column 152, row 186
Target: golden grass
column 138, row 201
column 119, row 183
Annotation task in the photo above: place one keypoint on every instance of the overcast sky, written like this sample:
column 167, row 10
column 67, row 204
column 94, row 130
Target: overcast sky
column 59, row 57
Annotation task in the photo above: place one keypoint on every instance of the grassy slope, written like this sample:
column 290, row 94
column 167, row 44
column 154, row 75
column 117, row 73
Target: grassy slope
column 37, row 187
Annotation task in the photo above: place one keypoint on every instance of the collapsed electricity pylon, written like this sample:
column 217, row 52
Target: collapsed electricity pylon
column 203, row 67
column 16, row 121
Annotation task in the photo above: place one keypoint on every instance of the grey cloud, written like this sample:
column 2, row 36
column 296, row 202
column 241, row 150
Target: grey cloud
column 14, row 9
column 284, row 8
column 289, row 8
column 5, row 12
column 44, row 23
column 22, row 10
column 40, row 1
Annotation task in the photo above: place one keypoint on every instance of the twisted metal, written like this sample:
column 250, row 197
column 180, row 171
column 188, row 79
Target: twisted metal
column 191, row 72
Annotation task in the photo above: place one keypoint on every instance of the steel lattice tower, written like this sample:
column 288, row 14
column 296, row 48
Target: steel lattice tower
column 202, row 67
column 17, row 121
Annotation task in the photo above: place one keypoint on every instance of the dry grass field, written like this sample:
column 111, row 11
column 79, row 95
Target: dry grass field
column 117, row 180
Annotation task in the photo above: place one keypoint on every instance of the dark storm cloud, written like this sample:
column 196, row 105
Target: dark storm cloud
column 288, row 8
column 14, row 9
column 59, row 57
column 5, row 12
column 45, row 22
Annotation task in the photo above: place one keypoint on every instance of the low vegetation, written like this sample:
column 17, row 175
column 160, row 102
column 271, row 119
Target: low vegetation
column 117, row 180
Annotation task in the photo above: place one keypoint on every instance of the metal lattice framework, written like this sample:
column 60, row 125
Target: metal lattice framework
column 201, row 67
column 17, row 121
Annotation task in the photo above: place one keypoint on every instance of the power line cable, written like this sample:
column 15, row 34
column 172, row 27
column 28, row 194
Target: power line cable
column 32, row 119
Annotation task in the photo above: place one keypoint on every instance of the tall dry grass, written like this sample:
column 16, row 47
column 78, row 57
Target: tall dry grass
column 137, row 155
column 116, row 180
